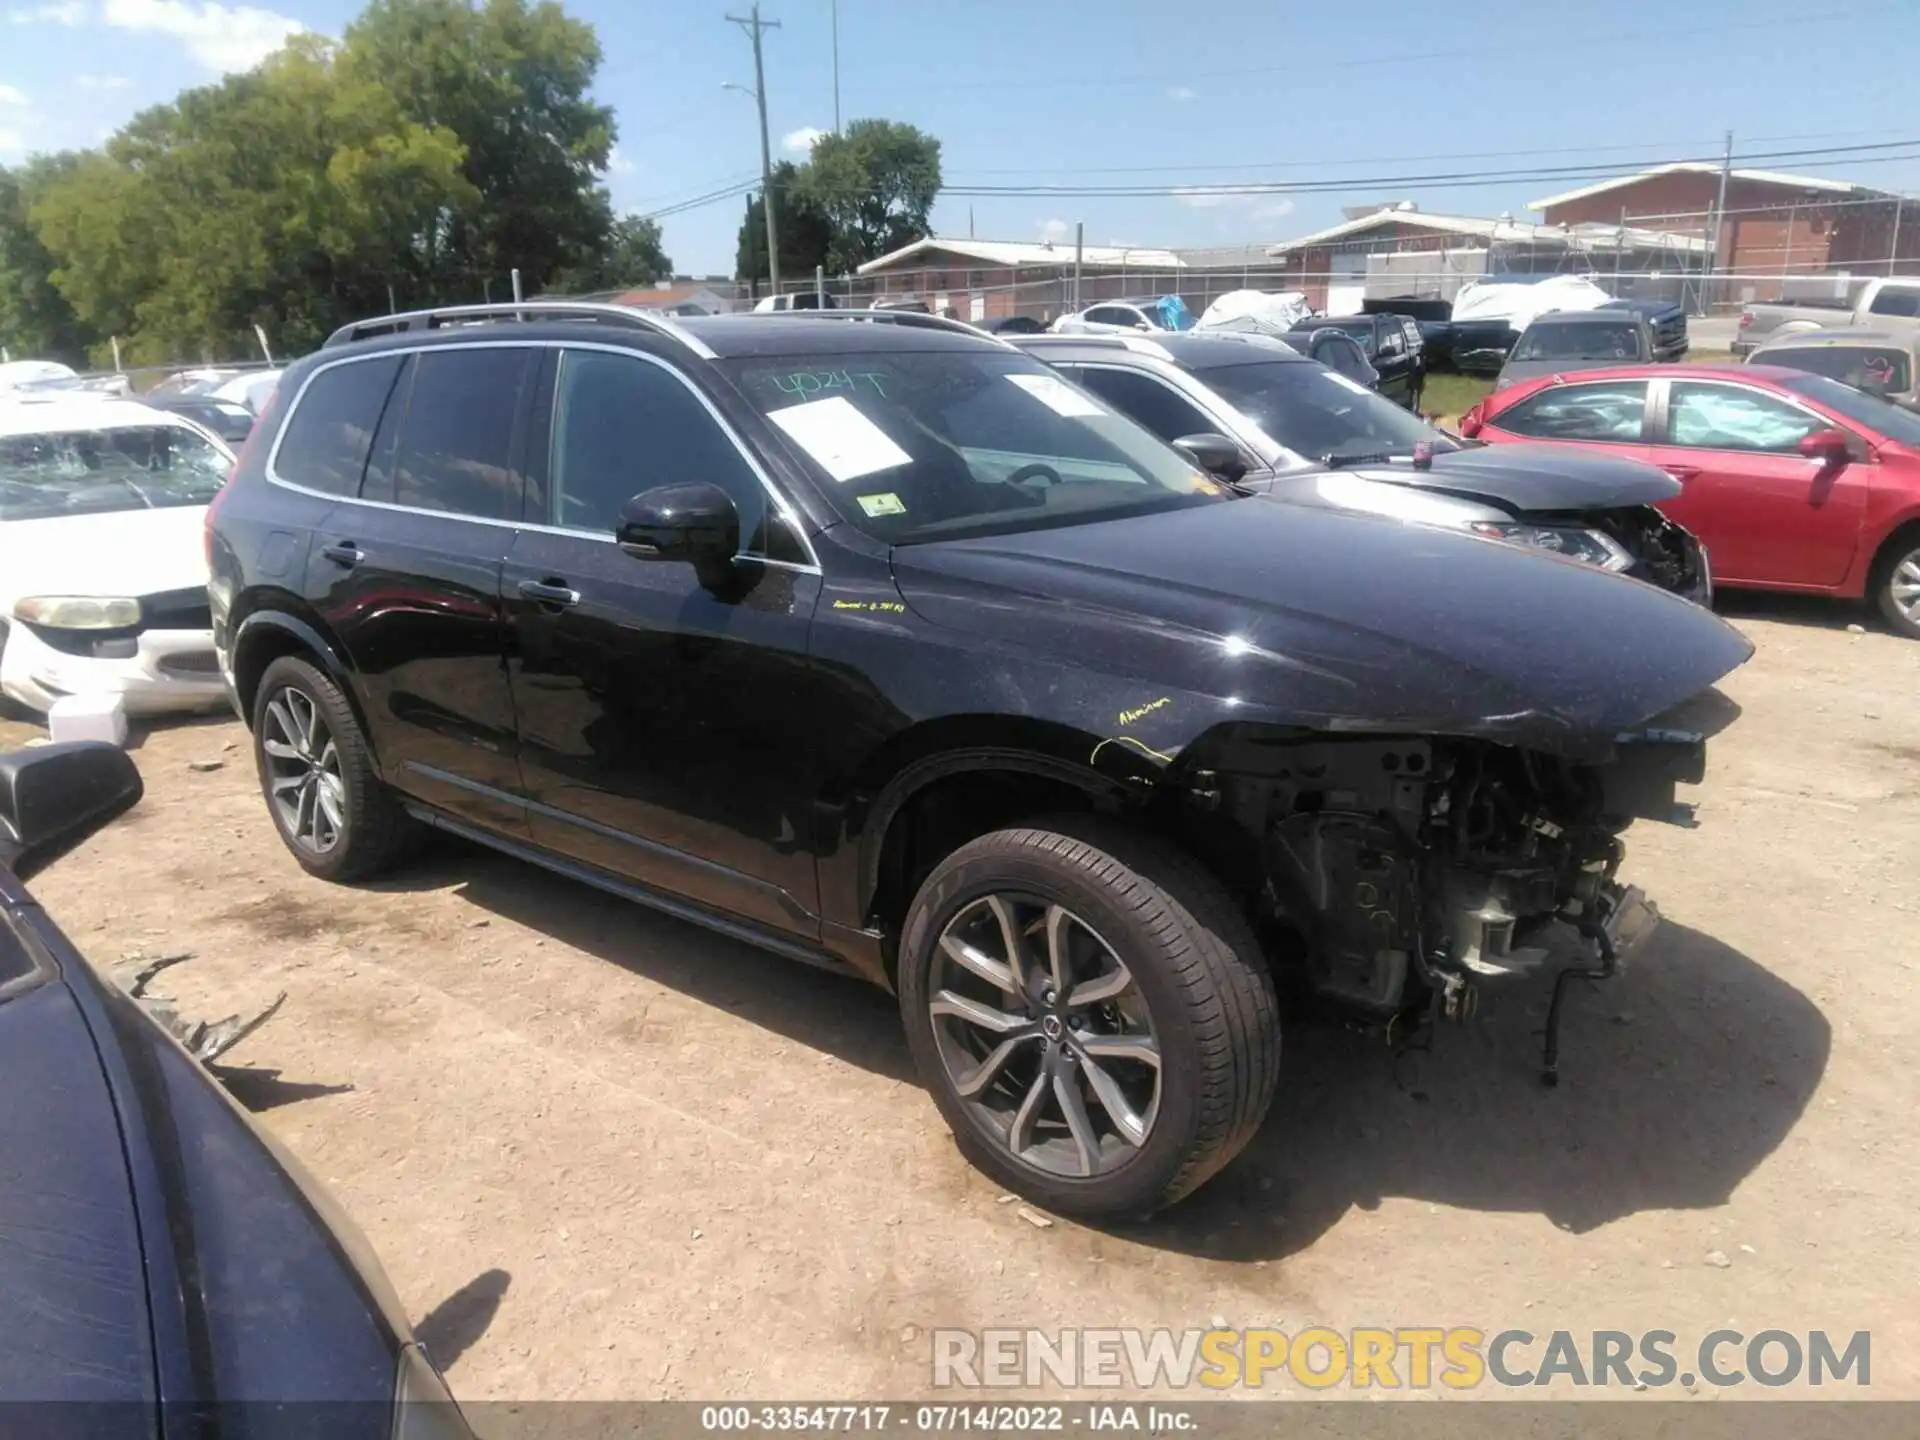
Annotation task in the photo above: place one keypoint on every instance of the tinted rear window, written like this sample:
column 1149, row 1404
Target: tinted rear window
column 325, row 443
column 456, row 443
column 1877, row 369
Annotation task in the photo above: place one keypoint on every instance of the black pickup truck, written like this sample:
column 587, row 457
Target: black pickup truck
column 1618, row 333
column 1481, row 347
column 1391, row 343
column 1432, row 316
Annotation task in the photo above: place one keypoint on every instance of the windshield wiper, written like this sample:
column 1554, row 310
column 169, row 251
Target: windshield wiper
column 1376, row 457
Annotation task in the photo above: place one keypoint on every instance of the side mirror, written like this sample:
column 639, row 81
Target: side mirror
column 1830, row 447
column 1215, row 454
column 54, row 796
column 695, row 523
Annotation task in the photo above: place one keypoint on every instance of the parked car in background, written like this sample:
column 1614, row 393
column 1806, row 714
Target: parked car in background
column 1310, row 436
column 165, row 1257
column 1432, row 315
column 1490, row 315
column 1881, row 362
column 1334, row 348
column 229, row 419
column 1165, row 312
column 1887, row 303
column 237, row 385
column 795, row 300
column 1014, row 325
column 1391, row 344
column 1792, row 481
column 1567, row 342
column 883, row 646
column 103, row 575
column 1666, row 322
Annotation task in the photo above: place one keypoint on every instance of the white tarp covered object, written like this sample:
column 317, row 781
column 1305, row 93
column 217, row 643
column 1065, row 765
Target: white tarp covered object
column 24, row 373
column 1283, row 310
column 1519, row 305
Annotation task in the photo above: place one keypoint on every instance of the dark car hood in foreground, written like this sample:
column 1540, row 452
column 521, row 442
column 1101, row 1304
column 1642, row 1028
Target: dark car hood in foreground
column 1298, row 616
column 1534, row 478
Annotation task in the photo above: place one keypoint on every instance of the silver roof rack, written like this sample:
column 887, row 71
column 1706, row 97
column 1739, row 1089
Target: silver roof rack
column 529, row 311
column 913, row 319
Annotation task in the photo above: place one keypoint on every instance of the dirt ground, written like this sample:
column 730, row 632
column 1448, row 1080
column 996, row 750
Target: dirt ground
column 606, row 1154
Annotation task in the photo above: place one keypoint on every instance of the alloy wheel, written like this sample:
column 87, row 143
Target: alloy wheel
column 304, row 782
column 1904, row 585
column 1045, row 1035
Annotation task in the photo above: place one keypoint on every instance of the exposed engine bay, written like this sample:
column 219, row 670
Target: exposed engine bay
column 1405, row 873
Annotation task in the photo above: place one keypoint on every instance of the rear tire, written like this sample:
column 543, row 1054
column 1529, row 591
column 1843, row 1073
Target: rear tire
column 318, row 778
column 1896, row 584
column 1040, row 967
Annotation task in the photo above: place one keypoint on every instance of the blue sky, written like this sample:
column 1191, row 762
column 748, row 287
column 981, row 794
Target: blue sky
column 1125, row 91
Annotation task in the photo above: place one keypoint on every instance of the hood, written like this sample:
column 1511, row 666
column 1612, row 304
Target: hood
column 1515, row 371
column 1330, row 621
column 1532, row 479
column 125, row 552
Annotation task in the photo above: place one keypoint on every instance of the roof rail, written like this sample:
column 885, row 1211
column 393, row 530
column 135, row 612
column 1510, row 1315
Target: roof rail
column 528, row 311
column 913, row 319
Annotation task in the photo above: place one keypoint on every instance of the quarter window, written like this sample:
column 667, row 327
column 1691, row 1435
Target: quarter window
column 623, row 425
column 326, row 441
column 1615, row 411
column 1889, row 301
column 1731, row 417
column 455, row 445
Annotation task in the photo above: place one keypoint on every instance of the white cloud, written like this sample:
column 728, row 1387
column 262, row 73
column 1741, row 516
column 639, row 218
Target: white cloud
column 11, row 96
column 1055, row 230
column 220, row 37
column 1201, row 198
column 66, row 12
column 1183, row 93
column 12, row 142
column 1215, row 197
column 802, row 141
column 618, row 164
column 102, row 82
column 1274, row 210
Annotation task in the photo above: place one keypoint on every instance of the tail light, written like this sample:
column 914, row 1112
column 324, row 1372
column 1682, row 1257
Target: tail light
column 1474, row 419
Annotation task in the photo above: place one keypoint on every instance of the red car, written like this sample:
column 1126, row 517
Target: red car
column 1793, row 481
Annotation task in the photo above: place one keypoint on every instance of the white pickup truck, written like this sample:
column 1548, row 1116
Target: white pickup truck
column 1886, row 304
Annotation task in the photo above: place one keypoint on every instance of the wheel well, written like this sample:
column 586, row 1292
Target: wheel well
column 1907, row 533
column 945, row 814
column 258, row 649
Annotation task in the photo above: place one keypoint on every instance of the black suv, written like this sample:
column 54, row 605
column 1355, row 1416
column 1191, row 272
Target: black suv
column 883, row 646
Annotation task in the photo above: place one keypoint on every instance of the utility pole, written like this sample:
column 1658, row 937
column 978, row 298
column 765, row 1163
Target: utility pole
column 836, row 67
column 755, row 26
column 1719, row 221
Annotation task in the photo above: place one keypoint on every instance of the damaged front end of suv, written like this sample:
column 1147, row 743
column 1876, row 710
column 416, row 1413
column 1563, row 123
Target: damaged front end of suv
column 1397, row 876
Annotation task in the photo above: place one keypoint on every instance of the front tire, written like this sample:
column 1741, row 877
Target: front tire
column 1897, row 588
column 318, row 778
column 1090, row 1011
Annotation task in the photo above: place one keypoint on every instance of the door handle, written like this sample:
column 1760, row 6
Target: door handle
column 342, row 552
column 550, row 592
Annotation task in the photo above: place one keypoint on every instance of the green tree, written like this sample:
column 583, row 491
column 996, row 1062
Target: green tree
column 510, row 79
column 291, row 197
column 631, row 257
column 876, row 183
column 36, row 322
column 805, row 235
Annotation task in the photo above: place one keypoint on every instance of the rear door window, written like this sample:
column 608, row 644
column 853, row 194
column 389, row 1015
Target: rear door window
column 1733, row 417
column 1890, row 301
column 1877, row 369
column 1614, row 410
column 455, row 446
column 1113, row 315
column 326, row 442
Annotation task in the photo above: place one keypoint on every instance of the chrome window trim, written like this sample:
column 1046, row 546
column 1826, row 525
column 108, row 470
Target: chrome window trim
column 1230, row 421
column 781, row 505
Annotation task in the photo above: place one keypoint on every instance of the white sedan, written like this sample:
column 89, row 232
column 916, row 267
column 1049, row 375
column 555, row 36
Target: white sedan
column 103, row 574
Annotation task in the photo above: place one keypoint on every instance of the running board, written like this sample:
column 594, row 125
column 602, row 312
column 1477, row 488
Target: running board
column 639, row 894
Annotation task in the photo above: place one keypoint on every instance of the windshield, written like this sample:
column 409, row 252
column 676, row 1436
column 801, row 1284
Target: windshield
column 1898, row 425
column 92, row 472
column 923, row 445
column 1310, row 410
column 1588, row 341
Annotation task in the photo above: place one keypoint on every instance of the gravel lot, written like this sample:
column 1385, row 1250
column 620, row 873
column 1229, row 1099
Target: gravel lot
column 606, row 1154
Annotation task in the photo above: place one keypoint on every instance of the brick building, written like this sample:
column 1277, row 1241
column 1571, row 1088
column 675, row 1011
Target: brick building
column 1773, row 225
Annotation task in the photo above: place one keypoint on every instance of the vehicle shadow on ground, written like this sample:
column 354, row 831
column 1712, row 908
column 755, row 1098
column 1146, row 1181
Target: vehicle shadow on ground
column 260, row 1089
column 1815, row 612
column 1678, row 1078
column 847, row 1018
column 456, row 1324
